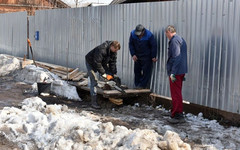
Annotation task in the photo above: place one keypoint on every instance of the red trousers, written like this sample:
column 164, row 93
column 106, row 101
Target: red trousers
column 176, row 94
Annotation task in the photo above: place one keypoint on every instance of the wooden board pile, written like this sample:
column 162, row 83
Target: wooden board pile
column 63, row 72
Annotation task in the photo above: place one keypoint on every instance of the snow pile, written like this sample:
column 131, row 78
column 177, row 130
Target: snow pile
column 8, row 65
column 214, row 133
column 172, row 141
column 49, row 127
column 204, row 133
column 32, row 74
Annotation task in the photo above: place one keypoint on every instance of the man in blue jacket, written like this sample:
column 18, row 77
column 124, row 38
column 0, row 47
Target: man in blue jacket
column 176, row 69
column 143, row 49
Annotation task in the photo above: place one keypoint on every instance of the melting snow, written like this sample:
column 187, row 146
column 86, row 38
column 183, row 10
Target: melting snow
column 8, row 65
column 32, row 74
column 37, row 125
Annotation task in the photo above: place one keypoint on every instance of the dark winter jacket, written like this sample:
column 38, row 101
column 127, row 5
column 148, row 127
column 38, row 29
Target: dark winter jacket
column 177, row 56
column 146, row 47
column 101, row 59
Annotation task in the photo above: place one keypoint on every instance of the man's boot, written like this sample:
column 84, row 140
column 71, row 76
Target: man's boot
column 94, row 103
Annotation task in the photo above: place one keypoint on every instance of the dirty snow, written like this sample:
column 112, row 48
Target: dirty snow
column 41, row 126
column 32, row 74
column 8, row 65
column 206, row 134
column 56, row 127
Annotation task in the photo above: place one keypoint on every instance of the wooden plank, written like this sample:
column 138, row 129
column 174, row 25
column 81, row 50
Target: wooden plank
column 53, row 66
column 73, row 73
column 59, row 71
column 115, row 93
column 60, row 75
column 128, row 91
column 64, row 69
column 81, row 76
column 26, row 62
column 116, row 101
column 78, row 76
column 45, row 67
column 86, row 88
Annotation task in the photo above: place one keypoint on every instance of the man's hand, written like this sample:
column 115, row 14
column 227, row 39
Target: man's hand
column 154, row 59
column 135, row 58
column 173, row 78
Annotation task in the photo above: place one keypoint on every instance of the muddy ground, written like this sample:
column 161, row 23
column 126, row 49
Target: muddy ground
column 12, row 93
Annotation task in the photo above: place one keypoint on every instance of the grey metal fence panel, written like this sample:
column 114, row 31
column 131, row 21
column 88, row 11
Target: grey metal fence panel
column 13, row 33
column 66, row 35
column 210, row 28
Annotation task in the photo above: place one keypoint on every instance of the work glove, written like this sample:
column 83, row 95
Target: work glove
column 173, row 78
column 107, row 76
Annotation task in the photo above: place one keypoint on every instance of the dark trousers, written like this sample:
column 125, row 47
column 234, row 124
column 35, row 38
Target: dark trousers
column 93, row 80
column 176, row 94
column 142, row 71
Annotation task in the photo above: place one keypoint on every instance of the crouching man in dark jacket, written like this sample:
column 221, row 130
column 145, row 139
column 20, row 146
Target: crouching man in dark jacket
column 101, row 59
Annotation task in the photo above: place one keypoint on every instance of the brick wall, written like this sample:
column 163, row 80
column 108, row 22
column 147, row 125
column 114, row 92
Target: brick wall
column 29, row 5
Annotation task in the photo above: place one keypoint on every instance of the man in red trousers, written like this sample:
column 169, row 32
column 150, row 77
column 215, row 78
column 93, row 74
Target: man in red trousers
column 176, row 69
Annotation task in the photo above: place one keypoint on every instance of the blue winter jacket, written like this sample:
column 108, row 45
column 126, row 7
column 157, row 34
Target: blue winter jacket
column 177, row 56
column 145, row 47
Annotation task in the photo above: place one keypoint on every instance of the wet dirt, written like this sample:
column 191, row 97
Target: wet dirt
column 11, row 92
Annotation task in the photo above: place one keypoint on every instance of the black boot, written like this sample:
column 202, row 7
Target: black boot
column 94, row 102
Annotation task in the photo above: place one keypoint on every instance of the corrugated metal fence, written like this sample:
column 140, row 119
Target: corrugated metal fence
column 13, row 33
column 211, row 29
